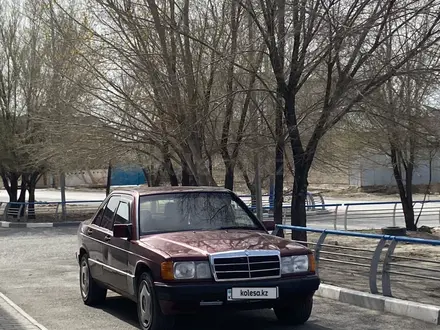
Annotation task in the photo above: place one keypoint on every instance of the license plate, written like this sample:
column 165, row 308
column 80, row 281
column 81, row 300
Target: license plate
column 252, row 293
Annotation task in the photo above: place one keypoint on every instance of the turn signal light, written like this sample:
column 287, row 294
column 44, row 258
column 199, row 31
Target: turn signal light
column 166, row 270
column 312, row 263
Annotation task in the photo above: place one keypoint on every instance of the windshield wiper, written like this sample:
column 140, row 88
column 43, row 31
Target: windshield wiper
column 239, row 227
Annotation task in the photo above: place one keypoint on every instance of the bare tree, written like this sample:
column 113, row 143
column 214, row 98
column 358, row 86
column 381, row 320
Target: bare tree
column 14, row 122
column 336, row 41
column 254, row 59
column 398, row 114
column 40, row 81
column 401, row 120
column 161, row 85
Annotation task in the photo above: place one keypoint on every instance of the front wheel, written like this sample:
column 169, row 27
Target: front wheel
column 149, row 312
column 91, row 292
column 294, row 312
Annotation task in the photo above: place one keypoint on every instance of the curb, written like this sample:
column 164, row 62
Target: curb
column 7, row 224
column 415, row 310
column 22, row 312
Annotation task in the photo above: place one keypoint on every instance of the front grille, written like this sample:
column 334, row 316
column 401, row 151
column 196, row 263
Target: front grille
column 245, row 265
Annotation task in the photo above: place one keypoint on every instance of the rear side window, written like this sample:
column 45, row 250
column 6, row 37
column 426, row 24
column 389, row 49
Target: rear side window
column 109, row 210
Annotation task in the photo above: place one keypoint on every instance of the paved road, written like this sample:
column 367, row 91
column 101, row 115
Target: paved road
column 38, row 272
column 11, row 318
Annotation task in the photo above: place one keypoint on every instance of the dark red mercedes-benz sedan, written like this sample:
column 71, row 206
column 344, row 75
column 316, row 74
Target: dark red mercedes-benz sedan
column 177, row 250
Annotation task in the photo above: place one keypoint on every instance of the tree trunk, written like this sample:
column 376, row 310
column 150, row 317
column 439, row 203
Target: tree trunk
column 168, row 166
column 405, row 191
column 14, row 187
column 253, row 197
column 408, row 211
column 229, row 175
column 31, row 185
column 6, row 184
column 187, row 177
column 156, row 179
column 18, row 205
column 229, row 111
column 302, row 163
column 196, row 163
column 279, row 168
column 31, row 205
column 109, row 179
column 63, row 195
column 147, row 176
column 210, row 166
column 250, row 184
column 298, row 205
column 171, row 173
column 10, row 182
column 278, row 199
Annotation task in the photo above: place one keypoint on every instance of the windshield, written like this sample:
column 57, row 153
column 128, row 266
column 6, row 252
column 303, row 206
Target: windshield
column 192, row 211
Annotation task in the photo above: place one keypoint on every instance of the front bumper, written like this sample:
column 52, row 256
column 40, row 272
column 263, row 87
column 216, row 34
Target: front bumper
column 182, row 298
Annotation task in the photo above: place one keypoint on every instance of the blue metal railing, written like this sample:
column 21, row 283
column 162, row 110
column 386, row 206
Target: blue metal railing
column 387, row 242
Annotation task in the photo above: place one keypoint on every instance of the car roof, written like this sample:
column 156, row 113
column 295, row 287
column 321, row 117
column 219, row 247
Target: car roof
column 144, row 190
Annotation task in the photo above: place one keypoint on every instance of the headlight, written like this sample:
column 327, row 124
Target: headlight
column 185, row 270
column 295, row 264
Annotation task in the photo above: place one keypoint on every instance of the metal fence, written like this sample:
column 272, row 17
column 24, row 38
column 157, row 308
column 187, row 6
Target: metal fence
column 314, row 201
column 347, row 216
column 359, row 215
column 75, row 210
column 356, row 215
column 414, row 272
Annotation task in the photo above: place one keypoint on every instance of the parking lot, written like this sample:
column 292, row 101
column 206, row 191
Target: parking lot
column 38, row 272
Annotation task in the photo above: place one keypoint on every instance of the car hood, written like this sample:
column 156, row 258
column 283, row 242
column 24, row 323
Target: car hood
column 203, row 243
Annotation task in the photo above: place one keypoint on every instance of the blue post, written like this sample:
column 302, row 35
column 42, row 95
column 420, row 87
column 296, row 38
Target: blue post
column 271, row 194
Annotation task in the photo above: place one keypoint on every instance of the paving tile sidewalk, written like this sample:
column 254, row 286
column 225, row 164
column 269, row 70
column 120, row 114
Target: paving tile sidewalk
column 13, row 318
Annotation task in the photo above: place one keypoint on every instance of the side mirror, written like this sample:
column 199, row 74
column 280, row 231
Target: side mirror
column 269, row 224
column 122, row 230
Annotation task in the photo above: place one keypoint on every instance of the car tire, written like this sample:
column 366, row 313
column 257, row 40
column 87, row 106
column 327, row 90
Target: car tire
column 149, row 312
column 91, row 292
column 294, row 312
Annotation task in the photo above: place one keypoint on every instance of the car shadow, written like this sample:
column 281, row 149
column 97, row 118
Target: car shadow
column 121, row 308
column 125, row 310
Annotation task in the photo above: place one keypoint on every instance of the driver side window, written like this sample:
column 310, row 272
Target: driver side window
column 108, row 212
column 123, row 213
column 98, row 218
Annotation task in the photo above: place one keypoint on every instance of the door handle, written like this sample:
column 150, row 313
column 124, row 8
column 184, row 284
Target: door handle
column 107, row 237
column 89, row 231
